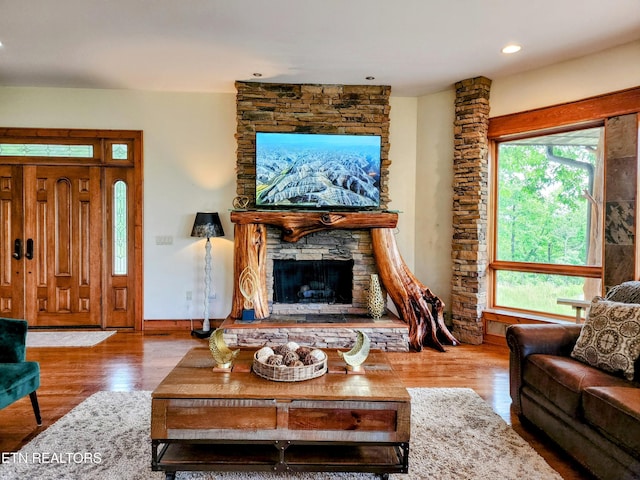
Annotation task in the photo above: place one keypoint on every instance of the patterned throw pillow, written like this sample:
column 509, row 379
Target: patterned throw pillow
column 610, row 337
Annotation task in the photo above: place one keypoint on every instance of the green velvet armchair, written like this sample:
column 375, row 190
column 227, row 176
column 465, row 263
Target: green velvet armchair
column 18, row 377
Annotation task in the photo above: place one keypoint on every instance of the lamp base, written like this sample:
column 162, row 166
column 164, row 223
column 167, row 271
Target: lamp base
column 201, row 333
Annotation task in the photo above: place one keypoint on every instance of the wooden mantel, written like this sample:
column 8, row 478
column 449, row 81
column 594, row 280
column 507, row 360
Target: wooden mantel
column 417, row 305
column 296, row 225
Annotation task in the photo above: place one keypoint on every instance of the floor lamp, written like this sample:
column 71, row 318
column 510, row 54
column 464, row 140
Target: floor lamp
column 206, row 225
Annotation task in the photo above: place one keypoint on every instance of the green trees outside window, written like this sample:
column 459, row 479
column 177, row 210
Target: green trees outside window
column 548, row 219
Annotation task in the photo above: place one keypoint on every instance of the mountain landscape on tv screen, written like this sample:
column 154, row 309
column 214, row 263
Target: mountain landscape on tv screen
column 308, row 170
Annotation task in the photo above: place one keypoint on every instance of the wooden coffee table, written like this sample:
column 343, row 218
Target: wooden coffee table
column 237, row 421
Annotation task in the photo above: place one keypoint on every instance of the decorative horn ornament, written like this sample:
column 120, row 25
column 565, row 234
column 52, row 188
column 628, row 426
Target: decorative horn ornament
column 221, row 353
column 355, row 357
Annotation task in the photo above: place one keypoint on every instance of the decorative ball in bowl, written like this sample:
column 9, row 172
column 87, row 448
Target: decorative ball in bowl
column 289, row 363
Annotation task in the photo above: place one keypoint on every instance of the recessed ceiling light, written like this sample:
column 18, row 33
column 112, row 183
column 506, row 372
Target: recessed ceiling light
column 512, row 48
column 370, row 78
column 257, row 74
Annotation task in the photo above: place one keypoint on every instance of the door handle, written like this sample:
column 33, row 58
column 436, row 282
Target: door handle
column 29, row 252
column 17, row 249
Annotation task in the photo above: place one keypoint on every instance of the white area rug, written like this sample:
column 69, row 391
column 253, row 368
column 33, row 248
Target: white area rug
column 454, row 435
column 71, row 338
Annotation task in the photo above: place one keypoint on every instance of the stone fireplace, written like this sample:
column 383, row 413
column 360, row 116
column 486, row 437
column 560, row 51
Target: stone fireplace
column 311, row 108
column 322, row 256
column 305, row 282
column 361, row 241
column 324, row 272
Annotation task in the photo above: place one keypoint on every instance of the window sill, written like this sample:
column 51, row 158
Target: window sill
column 496, row 321
column 524, row 317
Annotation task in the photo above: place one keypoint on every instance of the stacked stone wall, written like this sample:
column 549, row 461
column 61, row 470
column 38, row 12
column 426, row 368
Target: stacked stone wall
column 387, row 339
column 308, row 108
column 311, row 108
column 470, row 204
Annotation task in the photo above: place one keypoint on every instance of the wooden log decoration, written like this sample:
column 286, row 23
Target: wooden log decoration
column 295, row 225
column 417, row 305
column 250, row 250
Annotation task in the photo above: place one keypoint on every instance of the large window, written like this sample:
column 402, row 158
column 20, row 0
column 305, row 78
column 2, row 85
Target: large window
column 548, row 219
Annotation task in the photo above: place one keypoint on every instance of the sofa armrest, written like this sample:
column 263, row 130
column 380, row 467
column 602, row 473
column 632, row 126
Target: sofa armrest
column 525, row 340
column 550, row 339
column 13, row 337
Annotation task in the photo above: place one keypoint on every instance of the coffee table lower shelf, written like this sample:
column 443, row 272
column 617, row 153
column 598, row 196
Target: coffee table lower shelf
column 171, row 456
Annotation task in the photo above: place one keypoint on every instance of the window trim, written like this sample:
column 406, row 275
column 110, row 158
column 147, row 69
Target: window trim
column 100, row 140
column 566, row 115
column 586, row 113
column 548, row 268
column 117, row 237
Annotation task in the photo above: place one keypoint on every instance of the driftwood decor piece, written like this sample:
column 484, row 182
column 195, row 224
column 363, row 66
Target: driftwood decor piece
column 250, row 252
column 417, row 305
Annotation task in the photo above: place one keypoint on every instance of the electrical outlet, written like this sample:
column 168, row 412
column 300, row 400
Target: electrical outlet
column 164, row 240
column 189, row 295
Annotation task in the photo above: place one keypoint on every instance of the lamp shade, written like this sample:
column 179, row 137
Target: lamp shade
column 206, row 225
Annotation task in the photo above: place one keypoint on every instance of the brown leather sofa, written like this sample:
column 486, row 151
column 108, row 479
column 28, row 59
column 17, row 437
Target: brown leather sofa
column 591, row 414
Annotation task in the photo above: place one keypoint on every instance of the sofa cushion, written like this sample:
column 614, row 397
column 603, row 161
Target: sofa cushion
column 610, row 337
column 615, row 411
column 562, row 379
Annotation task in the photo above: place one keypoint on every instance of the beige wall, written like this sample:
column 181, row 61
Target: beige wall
column 434, row 192
column 607, row 71
column 189, row 166
column 402, row 185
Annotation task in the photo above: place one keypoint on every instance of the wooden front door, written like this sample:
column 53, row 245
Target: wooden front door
column 70, row 227
column 11, row 242
column 63, row 245
column 56, row 234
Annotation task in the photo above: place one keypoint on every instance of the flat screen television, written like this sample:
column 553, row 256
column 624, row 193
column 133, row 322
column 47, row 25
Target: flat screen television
column 305, row 170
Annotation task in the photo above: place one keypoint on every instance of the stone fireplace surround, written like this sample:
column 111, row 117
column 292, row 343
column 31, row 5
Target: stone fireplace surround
column 418, row 307
column 361, row 109
column 327, row 245
column 262, row 237
column 314, row 108
column 312, row 281
column 338, row 109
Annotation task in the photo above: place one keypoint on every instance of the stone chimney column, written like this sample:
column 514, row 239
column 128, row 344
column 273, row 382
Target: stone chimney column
column 470, row 203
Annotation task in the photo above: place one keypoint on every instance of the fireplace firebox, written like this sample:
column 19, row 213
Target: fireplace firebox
column 313, row 281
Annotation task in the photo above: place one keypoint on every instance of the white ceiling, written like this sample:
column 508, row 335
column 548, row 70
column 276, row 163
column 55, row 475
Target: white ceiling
column 416, row 46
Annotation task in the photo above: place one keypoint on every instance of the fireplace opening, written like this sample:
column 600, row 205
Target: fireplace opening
column 312, row 281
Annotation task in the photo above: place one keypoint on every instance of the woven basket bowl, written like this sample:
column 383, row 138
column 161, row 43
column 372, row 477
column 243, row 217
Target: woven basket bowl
column 289, row 374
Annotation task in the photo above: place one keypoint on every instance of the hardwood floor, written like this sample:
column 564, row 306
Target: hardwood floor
column 134, row 361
